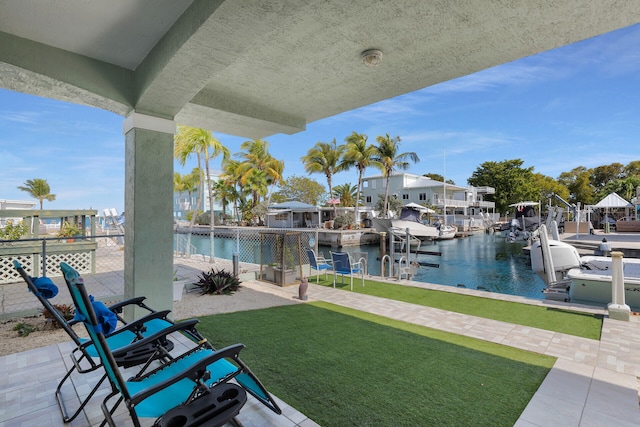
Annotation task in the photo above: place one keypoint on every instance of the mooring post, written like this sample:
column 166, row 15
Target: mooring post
column 618, row 310
column 383, row 251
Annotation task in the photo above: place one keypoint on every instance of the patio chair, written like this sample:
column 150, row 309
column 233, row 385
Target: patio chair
column 150, row 332
column 191, row 389
column 342, row 265
column 318, row 263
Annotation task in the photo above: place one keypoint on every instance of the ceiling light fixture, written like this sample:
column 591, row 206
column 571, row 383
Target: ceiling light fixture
column 371, row 57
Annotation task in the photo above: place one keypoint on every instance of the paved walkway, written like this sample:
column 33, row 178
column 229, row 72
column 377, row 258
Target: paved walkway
column 593, row 383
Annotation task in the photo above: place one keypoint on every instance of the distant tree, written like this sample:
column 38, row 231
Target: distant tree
column 387, row 155
column 434, row 176
column 326, row 158
column 347, row 194
column 231, row 176
column 602, row 175
column 39, row 189
column 393, row 203
column 578, row 181
column 205, row 146
column 632, row 169
column 512, row 182
column 258, row 169
column 626, row 188
column 546, row 186
column 359, row 153
column 300, row 188
column 438, row 177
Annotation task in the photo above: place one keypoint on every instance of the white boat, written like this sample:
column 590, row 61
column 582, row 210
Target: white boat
column 584, row 279
column 446, row 232
column 591, row 281
column 409, row 218
column 524, row 225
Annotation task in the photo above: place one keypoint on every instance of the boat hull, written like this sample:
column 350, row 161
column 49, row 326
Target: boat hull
column 593, row 284
column 446, row 232
column 421, row 231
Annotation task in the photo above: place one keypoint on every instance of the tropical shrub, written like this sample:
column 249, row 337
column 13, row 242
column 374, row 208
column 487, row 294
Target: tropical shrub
column 67, row 311
column 217, row 282
column 24, row 329
column 69, row 230
column 343, row 220
column 203, row 218
column 13, row 231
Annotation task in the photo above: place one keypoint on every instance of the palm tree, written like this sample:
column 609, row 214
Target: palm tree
column 258, row 168
column 231, row 177
column 190, row 140
column 347, row 194
column 192, row 184
column 360, row 154
column 178, row 184
column 387, row 155
column 39, row 189
column 325, row 157
column 224, row 192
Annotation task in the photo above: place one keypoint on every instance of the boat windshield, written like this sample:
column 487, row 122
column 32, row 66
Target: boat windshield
column 409, row 214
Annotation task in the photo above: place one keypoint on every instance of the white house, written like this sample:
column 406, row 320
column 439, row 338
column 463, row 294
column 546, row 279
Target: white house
column 464, row 205
column 13, row 205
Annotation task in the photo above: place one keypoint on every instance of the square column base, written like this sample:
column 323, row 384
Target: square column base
column 619, row 312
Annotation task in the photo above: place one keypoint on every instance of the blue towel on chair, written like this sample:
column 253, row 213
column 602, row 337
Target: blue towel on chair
column 107, row 319
column 46, row 288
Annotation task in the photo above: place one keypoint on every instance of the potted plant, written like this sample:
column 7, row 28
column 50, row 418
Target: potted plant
column 286, row 274
column 178, row 286
column 69, row 231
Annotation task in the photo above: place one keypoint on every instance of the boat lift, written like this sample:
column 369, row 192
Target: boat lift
column 402, row 246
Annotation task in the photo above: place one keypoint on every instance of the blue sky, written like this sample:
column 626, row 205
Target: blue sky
column 573, row 106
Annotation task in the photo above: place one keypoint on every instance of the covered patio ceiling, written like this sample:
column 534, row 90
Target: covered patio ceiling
column 257, row 68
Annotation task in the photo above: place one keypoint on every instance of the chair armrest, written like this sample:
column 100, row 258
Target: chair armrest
column 192, row 372
column 186, row 325
column 138, row 324
column 117, row 307
column 135, row 327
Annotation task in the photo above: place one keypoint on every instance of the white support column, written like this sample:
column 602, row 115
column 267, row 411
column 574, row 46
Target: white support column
column 618, row 310
column 148, row 265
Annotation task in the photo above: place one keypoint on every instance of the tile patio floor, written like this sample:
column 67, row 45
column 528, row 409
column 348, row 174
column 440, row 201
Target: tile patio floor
column 593, row 383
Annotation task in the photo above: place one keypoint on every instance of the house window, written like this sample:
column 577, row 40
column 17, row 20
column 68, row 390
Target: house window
column 368, row 199
column 405, row 197
column 422, row 196
column 282, row 216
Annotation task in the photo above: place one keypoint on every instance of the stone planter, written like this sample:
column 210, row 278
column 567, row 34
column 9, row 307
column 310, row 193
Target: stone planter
column 178, row 289
column 275, row 275
column 288, row 279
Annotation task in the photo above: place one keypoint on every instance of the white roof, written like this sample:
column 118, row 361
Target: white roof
column 612, row 201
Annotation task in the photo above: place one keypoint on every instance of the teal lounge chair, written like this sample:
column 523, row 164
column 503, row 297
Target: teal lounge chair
column 149, row 333
column 191, row 389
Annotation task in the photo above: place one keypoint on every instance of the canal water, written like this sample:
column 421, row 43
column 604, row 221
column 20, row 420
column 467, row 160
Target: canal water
column 480, row 261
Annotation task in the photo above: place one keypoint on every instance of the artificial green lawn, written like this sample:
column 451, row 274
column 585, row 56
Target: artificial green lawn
column 343, row 367
column 584, row 325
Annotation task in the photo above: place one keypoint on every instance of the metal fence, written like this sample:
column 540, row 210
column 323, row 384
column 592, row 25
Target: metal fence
column 246, row 242
column 100, row 259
